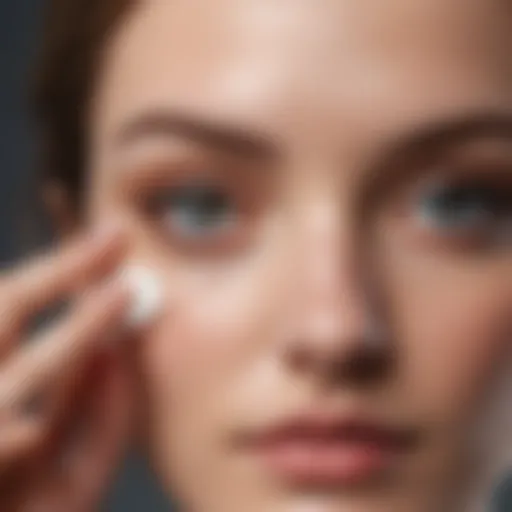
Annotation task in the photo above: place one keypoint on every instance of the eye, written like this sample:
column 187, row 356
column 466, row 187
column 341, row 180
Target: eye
column 476, row 210
column 196, row 211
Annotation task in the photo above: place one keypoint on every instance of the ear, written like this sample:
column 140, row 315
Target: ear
column 60, row 208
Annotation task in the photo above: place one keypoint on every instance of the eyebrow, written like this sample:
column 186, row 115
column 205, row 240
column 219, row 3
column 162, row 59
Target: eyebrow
column 214, row 135
column 442, row 134
column 428, row 138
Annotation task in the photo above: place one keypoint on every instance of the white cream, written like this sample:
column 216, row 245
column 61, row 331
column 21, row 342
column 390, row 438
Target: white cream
column 148, row 294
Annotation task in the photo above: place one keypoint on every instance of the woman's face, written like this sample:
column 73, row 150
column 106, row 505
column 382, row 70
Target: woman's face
column 324, row 187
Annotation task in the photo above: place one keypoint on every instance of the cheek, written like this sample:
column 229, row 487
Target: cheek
column 209, row 332
column 454, row 331
column 212, row 334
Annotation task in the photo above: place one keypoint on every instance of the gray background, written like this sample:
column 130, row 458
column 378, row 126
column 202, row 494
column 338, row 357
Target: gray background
column 22, row 228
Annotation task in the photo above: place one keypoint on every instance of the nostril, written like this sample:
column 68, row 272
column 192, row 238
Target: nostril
column 361, row 360
column 367, row 365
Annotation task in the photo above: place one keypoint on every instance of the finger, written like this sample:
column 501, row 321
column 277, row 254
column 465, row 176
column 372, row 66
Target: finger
column 19, row 439
column 38, row 284
column 95, row 460
column 44, row 474
column 79, row 473
column 65, row 399
column 63, row 346
column 29, row 437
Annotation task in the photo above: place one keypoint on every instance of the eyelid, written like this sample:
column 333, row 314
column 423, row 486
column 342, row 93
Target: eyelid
column 214, row 242
column 405, row 169
column 166, row 170
column 484, row 183
column 162, row 170
column 160, row 150
column 403, row 199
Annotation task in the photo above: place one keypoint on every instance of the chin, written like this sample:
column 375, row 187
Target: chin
column 252, row 496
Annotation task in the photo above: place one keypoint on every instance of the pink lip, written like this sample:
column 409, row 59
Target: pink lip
column 324, row 450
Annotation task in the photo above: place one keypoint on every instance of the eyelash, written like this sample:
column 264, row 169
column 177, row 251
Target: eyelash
column 201, row 215
column 460, row 208
column 475, row 212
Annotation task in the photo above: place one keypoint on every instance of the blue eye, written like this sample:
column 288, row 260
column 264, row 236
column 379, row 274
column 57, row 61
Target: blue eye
column 197, row 210
column 468, row 208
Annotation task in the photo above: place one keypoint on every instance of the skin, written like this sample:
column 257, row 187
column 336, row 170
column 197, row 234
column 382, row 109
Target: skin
column 61, row 454
column 270, row 315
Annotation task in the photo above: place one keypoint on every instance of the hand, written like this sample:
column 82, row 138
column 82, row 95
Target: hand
column 60, row 456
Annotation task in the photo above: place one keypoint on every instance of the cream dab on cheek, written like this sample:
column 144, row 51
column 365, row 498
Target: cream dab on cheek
column 147, row 290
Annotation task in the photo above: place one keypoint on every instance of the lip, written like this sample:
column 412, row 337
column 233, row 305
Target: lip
column 326, row 449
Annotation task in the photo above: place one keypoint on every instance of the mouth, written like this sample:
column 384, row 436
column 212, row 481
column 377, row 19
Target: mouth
column 325, row 450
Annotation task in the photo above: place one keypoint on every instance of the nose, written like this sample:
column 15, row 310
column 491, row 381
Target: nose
column 340, row 334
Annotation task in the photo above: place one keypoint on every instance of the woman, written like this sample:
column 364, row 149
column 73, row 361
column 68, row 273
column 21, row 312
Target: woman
column 324, row 190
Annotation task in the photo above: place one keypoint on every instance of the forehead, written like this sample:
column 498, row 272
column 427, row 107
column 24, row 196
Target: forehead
column 277, row 63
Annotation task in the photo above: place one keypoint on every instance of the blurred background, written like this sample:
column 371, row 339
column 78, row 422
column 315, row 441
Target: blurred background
column 23, row 228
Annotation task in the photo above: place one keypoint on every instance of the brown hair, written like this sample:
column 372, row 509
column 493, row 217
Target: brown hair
column 75, row 33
